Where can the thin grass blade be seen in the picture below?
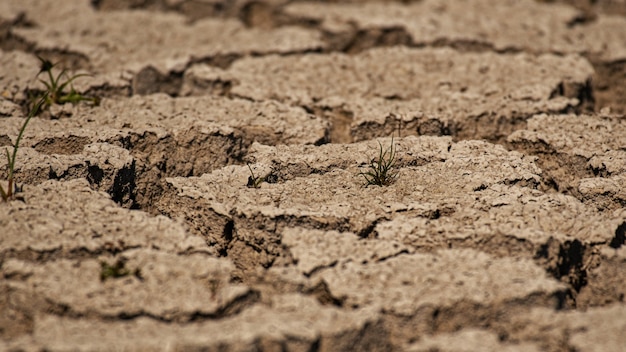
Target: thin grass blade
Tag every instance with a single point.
(16, 146)
(70, 80)
(48, 86)
(4, 195)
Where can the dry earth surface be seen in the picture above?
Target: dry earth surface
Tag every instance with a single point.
(213, 199)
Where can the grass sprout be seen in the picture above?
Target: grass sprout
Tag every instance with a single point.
(382, 170)
(54, 94)
(9, 193)
(117, 270)
(255, 181)
(56, 87)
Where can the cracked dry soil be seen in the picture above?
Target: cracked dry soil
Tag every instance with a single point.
(139, 226)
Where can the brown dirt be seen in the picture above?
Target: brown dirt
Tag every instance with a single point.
(214, 199)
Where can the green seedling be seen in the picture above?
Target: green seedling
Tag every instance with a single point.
(381, 171)
(255, 181)
(116, 270)
(9, 193)
(56, 88)
(54, 94)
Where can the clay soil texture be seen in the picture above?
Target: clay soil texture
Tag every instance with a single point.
(215, 197)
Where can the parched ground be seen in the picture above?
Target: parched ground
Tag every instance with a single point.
(213, 200)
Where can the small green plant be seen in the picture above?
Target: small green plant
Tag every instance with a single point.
(255, 181)
(117, 270)
(381, 171)
(9, 193)
(54, 94)
(55, 88)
